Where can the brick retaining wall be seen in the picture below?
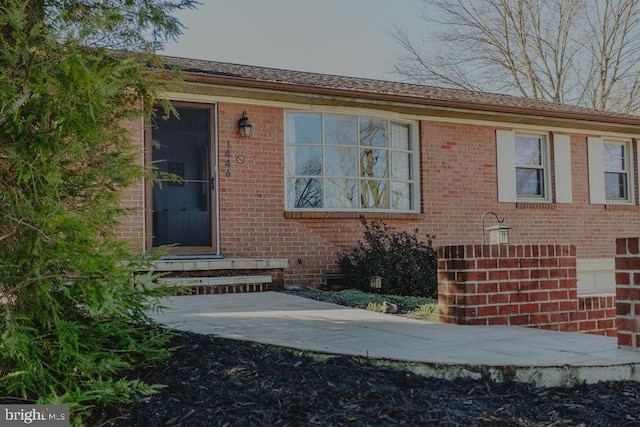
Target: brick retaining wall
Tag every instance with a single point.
(523, 285)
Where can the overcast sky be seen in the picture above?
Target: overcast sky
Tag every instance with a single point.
(343, 37)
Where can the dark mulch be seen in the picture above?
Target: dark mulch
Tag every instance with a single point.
(219, 382)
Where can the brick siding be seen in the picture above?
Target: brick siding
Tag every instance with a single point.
(253, 222)
(132, 224)
(458, 181)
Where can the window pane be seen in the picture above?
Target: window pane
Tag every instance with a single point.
(304, 129)
(305, 193)
(615, 185)
(401, 196)
(528, 151)
(304, 160)
(400, 165)
(373, 132)
(336, 161)
(341, 161)
(614, 157)
(340, 130)
(399, 136)
(375, 194)
(530, 182)
(373, 163)
(342, 193)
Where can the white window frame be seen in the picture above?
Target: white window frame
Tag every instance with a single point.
(506, 165)
(543, 166)
(414, 167)
(625, 172)
(597, 171)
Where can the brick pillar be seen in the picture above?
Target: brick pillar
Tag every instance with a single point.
(524, 285)
(628, 292)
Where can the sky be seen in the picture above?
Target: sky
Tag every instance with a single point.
(341, 37)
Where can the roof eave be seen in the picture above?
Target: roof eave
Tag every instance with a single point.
(616, 121)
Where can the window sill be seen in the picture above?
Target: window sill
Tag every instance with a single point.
(591, 293)
(536, 205)
(621, 207)
(351, 215)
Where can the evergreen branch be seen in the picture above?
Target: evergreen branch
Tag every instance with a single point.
(16, 105)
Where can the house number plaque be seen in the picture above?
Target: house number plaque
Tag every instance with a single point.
(227, 160)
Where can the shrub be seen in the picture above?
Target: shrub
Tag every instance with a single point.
(408, 265)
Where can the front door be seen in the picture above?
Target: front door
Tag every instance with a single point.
(183, 199)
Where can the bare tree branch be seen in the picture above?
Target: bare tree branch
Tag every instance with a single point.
(6, 236)
(584, 52)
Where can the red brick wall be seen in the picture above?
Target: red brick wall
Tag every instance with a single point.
(458, 182)
(132, 224)
(523, 285)
(252, 202)
(596, 314)
(628, 292)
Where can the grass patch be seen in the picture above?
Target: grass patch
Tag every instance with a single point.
(415, 307)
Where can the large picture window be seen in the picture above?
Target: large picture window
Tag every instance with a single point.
(349, 162)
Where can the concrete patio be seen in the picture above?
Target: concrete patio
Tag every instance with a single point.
(441, 350)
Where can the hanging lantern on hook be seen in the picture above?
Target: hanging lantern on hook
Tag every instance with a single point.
(244, 125)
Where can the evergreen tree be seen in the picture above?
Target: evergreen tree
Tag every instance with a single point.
(72, 311)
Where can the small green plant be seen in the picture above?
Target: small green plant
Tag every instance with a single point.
(428, 312)
(408, 265)
(374, 306)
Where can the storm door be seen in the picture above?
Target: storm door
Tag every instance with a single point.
(183, 199)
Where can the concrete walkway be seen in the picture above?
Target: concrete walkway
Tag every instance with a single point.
(502, 353)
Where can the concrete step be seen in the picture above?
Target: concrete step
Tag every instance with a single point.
(220, 285)
(197, 264)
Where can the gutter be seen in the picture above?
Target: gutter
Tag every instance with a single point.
(240, 82)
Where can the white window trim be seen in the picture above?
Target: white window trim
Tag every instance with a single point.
(414, 141)
(562, 168)
(597, 191)
(506, 166)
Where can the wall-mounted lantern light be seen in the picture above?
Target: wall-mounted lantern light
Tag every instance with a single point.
(498, 233)
(244, 125)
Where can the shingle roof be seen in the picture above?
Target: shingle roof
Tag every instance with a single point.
(381, 87)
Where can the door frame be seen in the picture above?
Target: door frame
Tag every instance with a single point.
(208, 251)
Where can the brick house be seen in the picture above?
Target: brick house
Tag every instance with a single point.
(326, 149)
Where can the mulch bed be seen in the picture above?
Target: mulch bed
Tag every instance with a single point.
(219, 382)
